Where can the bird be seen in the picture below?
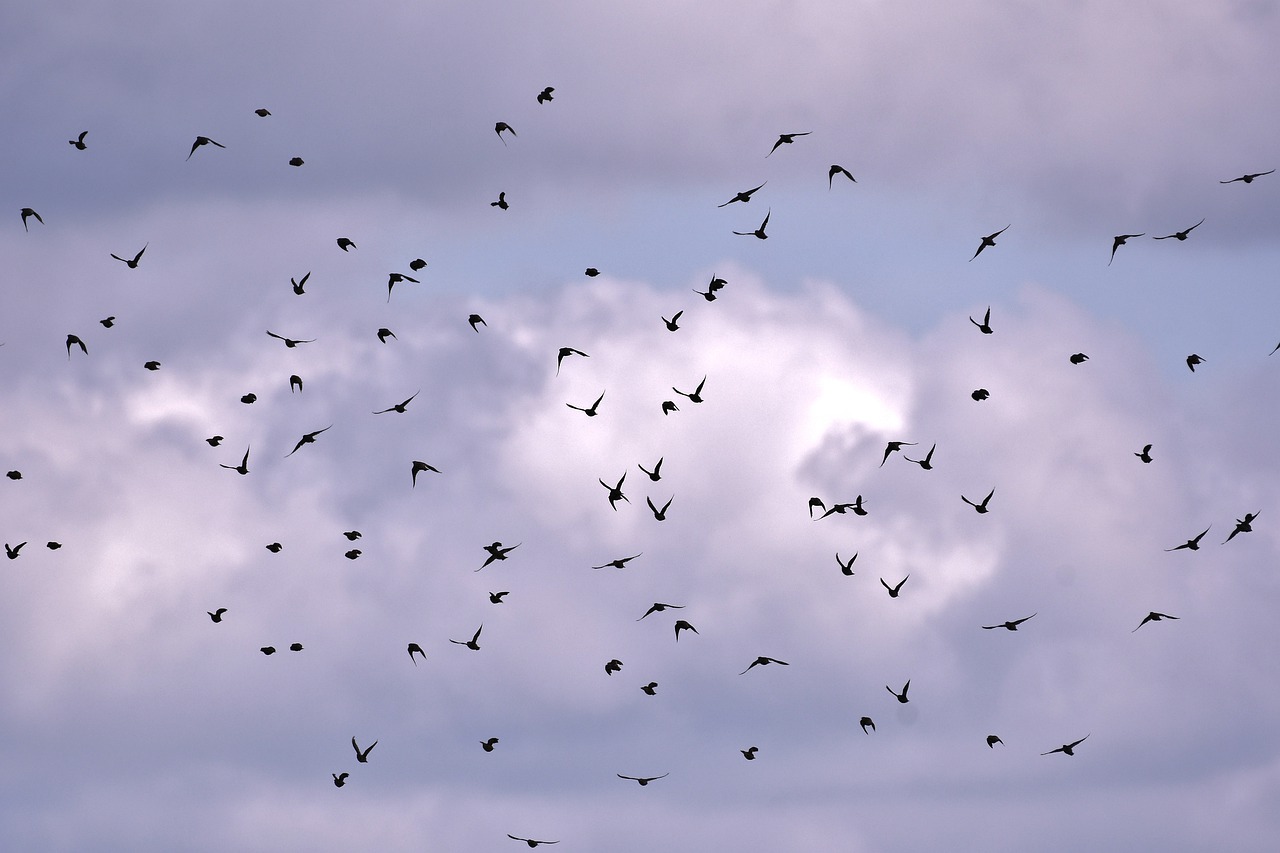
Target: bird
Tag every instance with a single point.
(216, 615)
(339, 779)
(476, 320)
(500, 127)
(1078, 358)
(299, 284)
(496, 597)
(1067, 748)
(346, 243)
(841, 509)
(816, 503)
(243, 467)
(131, 263)
(759, 232)
(418, 468)
(651, 688)
(865, 722)
(417, 264)
(309, 438)
(1145, 455)
(786, 139)
(985, 325)
(1243, 525)
(275, 547)
(26, 213)
(750, 753)
(1120, 240)
(682, 625)
(763, 661)
(78, 142)
(989, 240)
(297, 647)
(362, 757)
(108, 322)
(672, 323)
(980, 394)
(1012, 626)
(659, 514)
(249, 399)
(497, 552)
(619, 563)
(353, 554)
(1192, 544)
(658, 607)
(839, 170)
(715, 285)
(487, 745)
(564, 353)
(894, 446)
(992, 740)
(591, 272)
(1181, 235)
(545, 95)
(14, 475)
(295, 383)
(501, 203)
(590, 411)
(268, 650)
(894, 590)
(613, 666)
(395, 278)
(214, 440)
(644, 780)
(615, 492)
(414, 648)
(473, 643)
(152, 365)
(696, 396)
(1153, 616)
(53, 546)
(846, 568)
(352, 535)
(296, 161)
(669, 406)
(74, 340)
(980, 507)
(262, 112)
(289, 342)
(203, 140)
(1248, 179)
(531, 842)
(399, 407)
(1193, 360)
(743, 196)
(656, 474)
(927, 462)
(11, 551)
(901, 697)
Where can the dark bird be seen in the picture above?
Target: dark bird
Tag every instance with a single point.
(745, 195)
(268, 650)
(395, 278)
(927, 462)
(1243, 525)
(275, 547)
(893, 447)
(1012, 626)
(669, 406)
(214, 440)
(497, 552)
(297, 647)
(545, 95)
(620, 563)
(1154, 617)
(11, 551)
(362, 757)
(353, 554)
(263, 112)
(615, 492)
(841, 509)
(309, 438)
(786, 139)
(750, 753)
(591, 411)
(1181, 235)
(1192, 544)
(715, 285)
(992, 740)
(682, 625)
(846, 569)
(417, 264)
(14, 475)
(339, 779)
(487, 745)
(1120, 240)
(1067, 748)
(865, 722)
(659, 514)
(73, 340)
(28, 212)
(53, 546)
(901, 697)
(399, 407)
(131, 263)
(1193, 360)
(414, 648)
(643, 780)
(980, 507)
(1248, 179)
(759, 232)
(296, 161)
(980, 394)
(651, 688)
(418, 468)
(500, 127)
(203, 140)
(894, 590)
(656, 473)
(152, 365)
(295, 383)
(658, 607)
(78, 142)
(989, 240)
(839, 170)
(564, 353)
(613, 666)
(501, 203)
(591, 272)
(496, 597)
(352, 535)
(108, 322)
(763, 661)
(249, 399)
(529, 841)
(985, 325)
(346, 243)
(696, 396)
(816, 503)
(243, 467)
(1078, 358)
(289, 342)
(476, 320)
(1145, 455)
(299, 284)
(672, 324)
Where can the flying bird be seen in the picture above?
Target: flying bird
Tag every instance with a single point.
(496, 597)
(346, 243)
(545, 95)
(476, 320)
(473, 643)
(352, 535)
(531, 842)
(362, 756)
(893, 447)
(1192, 544)
(78, 142)
(894, 590)
(295, 383)
(866, 722)
(487, 745)
(901, 697)
(763, 661)
(715, 285)
(682, 625)
(26, 213)
(1067, 748)
(927, 462)
(131, 263)
(275, 547)
(353, 554)
(659, 514)
(839, 170)
(216, 615)
(673, 327)
(263, 112)
(846, 568)
(1120, 240)
(658, 607)
(299, 284)
(289, 342)
(564, 353)
(418, 468)
(414, 648)
(74, 340)
(656, 473)
(400, 407)
(297, 647)
(1011, 626)
(108, 322)
(501, 203)
(214, 441)
(395, 278)
(296, 161)
(759, 232)
(989, 240)
(1243, 525)
(1154, 617)
(1248, 179)
(1193, 360)
(152, 365)
(619, 563)
(786, 139)
(750, 753)
(497, 552)
(203, 140)
(1181, 235)
(268, 650)
(669, 406)
(980, 507)
(696, 396)
(500, 127)
(651, 688)
(1145, 455)
(644, 780)
(992, 740)
(591, 411)
(1078, 358)
(980, 394)
(249, 399)
(384, 333)
(743, 196)
(615, 492)
(985, 325)
(339, 779)
(243, 467)
(11, 551)
(613, 666)
(309, 438)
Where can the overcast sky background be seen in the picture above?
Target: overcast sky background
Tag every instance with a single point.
(129, 721)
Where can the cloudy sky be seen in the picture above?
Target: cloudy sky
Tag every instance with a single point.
(131, 721)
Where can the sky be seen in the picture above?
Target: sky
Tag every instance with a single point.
(131, 721)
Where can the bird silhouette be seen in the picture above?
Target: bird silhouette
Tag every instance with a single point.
(417, 264)
(531, 842)
(763, 661)
(346, 244)
(893, 447)
(613, 666)
(243, 467)
(74, 340)
(414, 648)
(14, 475)
(989, 240)
(816, 503)
(353, 554)
(743, 196)
(497, 552)
(501, 203)
(682, 625)
(289, 342)
(400, 407)
(985, 325)
(300, 283)
(296, 161)
(619, 563)
(894, 590)
(786, 139)
(672, 324)
(846, 569)
(268, 650)
(1145, 455)
(496, 597)
(152, 365)
(901, 697)
(275, 547)
(395, 278)
(750, 753)
(201, 141)
(309, 438)
(715, 285)
(696, 395)
(362, 756)
(615, 492)
(473, 643)
(591, 272)
(297, 647)
(500, 127)
(214, 441)
(1011, 626)
(1248, 179)
(866, 722)
(1120, 240)
(1243, 525)
(26, 213)
(992, 740)
(1181, 235)
(476, 320)
(545, 95)
(108, 322)
(339, 779)
(841, 509)
(1192, 544)
(980, 507)
(1078, 358)
(131, 263)
(590, 411)
(656, 474)
(384, 333)
(1153, 616)
(295, 383)
(927, 462)
(487, 745)
(1067, 748)
(352, 535)
(262, 112)
(418, 468)
(839, 170)
(658, 607)
(759, 232)
(1193, 360)
(659, 514)
(644, 780)
(11, 551)
(564, 353)
(78, 142)
(980, 394)
(669, 406)
(651, 688)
